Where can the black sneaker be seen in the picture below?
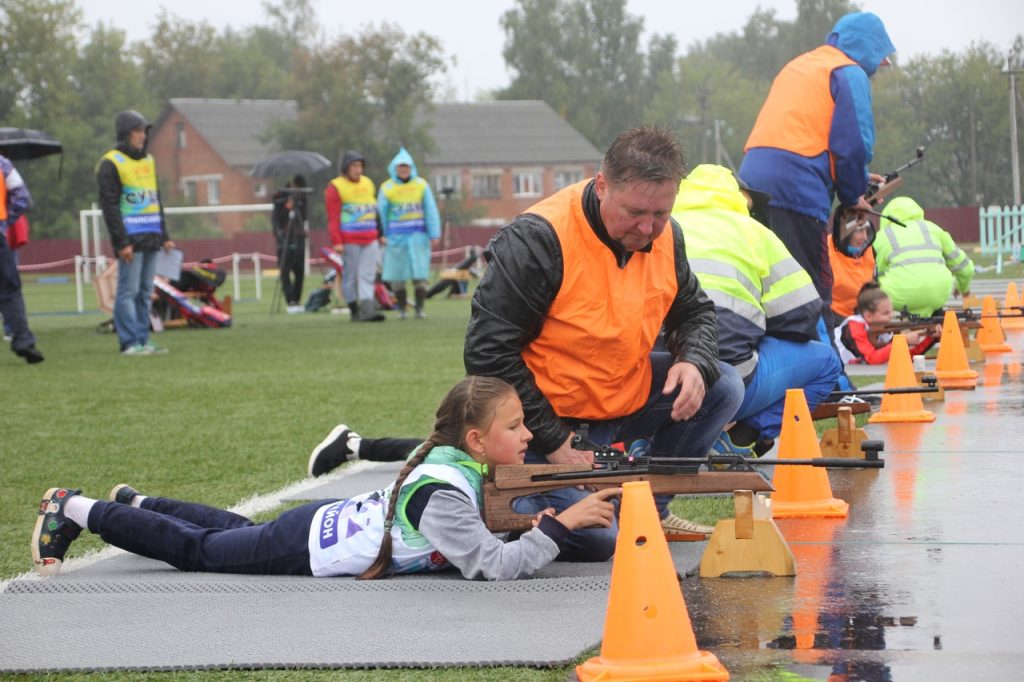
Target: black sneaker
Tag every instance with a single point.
(332, 452)
(30, 354)
(123, 493)
(54, 533)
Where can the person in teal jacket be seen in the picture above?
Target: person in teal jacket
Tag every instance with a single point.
(766, 304)
(918, 264)
(411, 226)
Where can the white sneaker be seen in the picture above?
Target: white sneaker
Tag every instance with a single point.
(341, 445)
(295, 309)
(8, 339)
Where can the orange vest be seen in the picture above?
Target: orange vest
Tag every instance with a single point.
(797, 116)
(849, 275)
(591, 358)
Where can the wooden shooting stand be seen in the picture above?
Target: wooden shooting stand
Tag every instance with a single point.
(508, 482)
(844, 440)
(831, 410)
(748, 543)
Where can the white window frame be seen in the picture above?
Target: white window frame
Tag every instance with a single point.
(260, 189)
(451, 179)
(213, 191)
(560, 173)
(527, 182)
(490, 177)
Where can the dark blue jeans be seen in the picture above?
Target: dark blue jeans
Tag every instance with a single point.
(669, 438)
(12, 305)
(195, 537)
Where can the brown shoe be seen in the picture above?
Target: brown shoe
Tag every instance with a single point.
(676, 526)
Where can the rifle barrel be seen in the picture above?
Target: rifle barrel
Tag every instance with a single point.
(884, 391)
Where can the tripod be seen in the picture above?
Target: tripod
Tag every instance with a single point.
(288, 253)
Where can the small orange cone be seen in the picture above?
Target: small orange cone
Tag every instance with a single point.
(990, 336)
(647, 630)
(901, 407)
(1011, 307)
(951, 366)
(801, 490)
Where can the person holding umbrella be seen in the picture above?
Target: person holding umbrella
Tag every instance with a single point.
(289, 224)
(14, 201)
(130, 201)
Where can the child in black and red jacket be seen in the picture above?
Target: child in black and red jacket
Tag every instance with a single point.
(874, 309)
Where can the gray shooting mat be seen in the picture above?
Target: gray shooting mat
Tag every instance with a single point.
(125, 612)
(343, 484)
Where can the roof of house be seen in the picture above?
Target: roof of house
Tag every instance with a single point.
(235, 128)
(505, 132)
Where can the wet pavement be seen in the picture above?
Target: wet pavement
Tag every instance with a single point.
(923, 580)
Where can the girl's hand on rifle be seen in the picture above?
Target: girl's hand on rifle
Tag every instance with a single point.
(593, 510)
(913, 337)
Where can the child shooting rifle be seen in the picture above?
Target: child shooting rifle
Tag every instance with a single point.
(432, 522)
(855, 338)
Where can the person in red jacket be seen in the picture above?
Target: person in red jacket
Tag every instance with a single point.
(874, 309)
(354, 228)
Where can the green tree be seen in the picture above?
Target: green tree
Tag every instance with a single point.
(583, 58)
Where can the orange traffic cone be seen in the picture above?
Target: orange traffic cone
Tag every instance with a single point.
(951, 366)
(801, 490)
(991, 337)
(647, 630)
(901, 407)
(1011, 306)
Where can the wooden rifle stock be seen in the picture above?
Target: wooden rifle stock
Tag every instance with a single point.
(512, 481)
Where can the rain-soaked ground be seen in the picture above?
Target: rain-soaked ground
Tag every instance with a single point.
(925, 578)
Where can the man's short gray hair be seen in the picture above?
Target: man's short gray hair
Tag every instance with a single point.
(644, 155)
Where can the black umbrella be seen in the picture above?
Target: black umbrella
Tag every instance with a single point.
(20, 144)
(290, 163)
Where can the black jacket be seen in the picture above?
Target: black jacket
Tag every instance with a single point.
(110, 204)
(524, 276)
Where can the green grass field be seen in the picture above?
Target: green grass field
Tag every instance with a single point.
(225, 415)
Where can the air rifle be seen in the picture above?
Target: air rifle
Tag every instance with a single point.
(846, 221)
(613, 467)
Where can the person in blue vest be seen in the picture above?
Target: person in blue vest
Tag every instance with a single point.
(411, 225)
(14, 201)
(130, 200)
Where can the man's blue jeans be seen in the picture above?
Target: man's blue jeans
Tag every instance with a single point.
(782, 365)
(669, 438)
(131, 304)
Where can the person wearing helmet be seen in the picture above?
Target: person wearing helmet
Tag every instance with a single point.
(130, 200)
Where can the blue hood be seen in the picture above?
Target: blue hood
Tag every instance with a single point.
(401, 157)
(861, 36)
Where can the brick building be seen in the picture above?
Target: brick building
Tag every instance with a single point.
(502, 156)
(505, 155)
(204, 149)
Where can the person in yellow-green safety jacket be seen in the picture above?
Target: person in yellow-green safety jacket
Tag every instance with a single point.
(918, 264)
(412, 226)
(766, 304)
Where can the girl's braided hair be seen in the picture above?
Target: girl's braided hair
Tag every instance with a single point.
(469, 404)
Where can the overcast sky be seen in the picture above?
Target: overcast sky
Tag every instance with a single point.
(470, 31)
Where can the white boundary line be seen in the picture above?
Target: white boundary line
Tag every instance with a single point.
(247, 507)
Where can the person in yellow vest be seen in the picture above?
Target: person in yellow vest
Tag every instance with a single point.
(918, 264)
(352, 224)
(130, 200)
(412, 226)
(814, 138)
(576, 295)
(766, 305)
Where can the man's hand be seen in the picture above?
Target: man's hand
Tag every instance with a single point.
(566, 455)
(126, 254)
(434, 243)
(339, 248)
(686, 377)
(861, 205)
(168, 246)
(592, 511)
